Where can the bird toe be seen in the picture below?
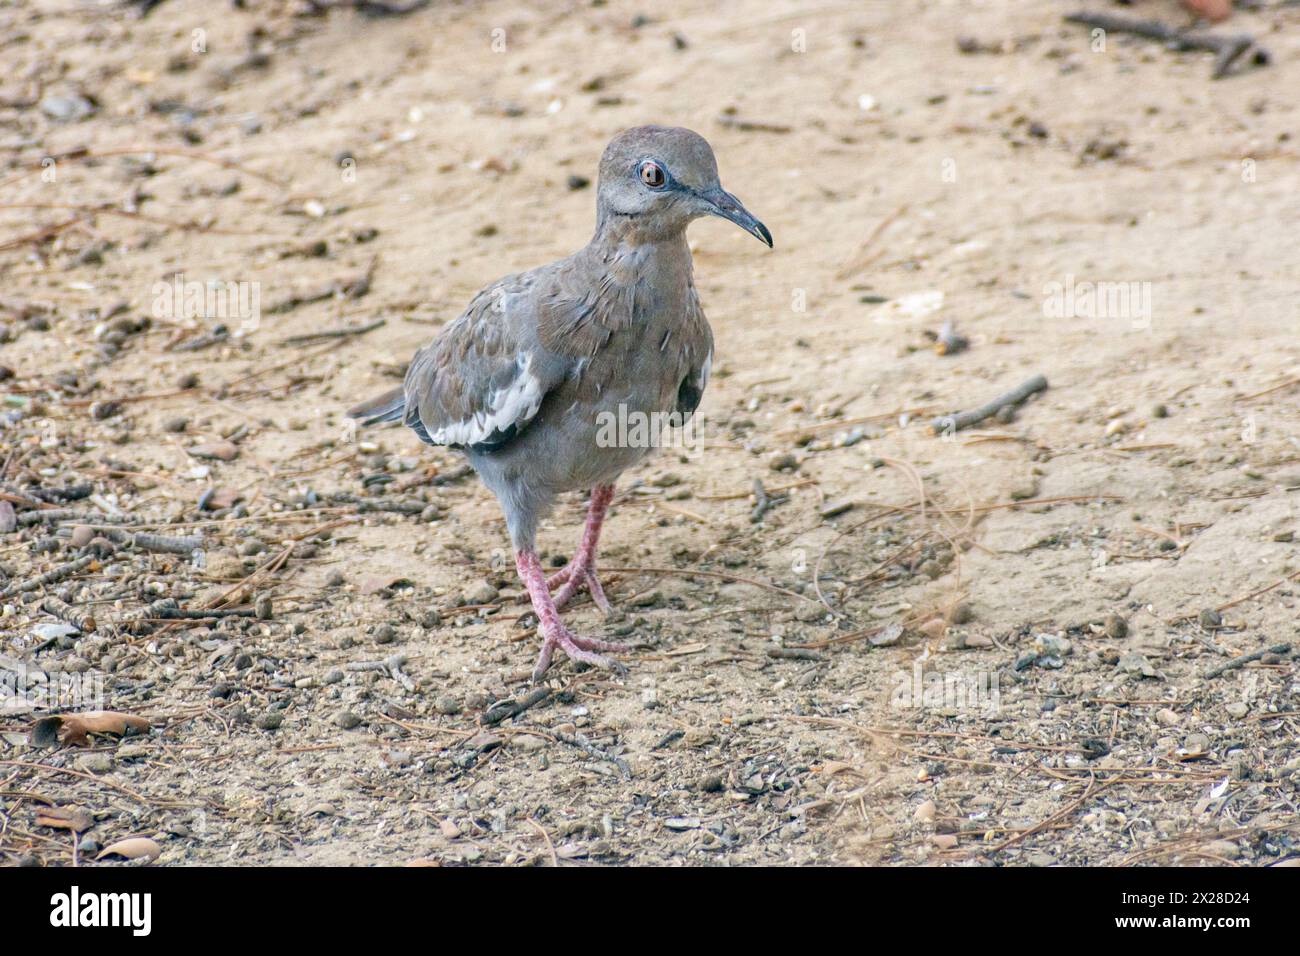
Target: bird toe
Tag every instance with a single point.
(587, 650)
(575, 582)
(560, 577)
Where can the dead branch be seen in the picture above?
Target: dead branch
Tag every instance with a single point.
(49, 577)
(1245, 659)
(1229, 49)
(947, 424)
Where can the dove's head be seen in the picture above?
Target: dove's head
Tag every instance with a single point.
(655, 179)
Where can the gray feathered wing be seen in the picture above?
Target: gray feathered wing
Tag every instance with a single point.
(691, 390)
(485, 376)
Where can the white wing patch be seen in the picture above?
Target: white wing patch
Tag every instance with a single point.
(515, 404)
(705, 369)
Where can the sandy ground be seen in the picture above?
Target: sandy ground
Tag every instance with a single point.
(986, 647)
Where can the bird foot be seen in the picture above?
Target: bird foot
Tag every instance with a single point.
(570, 579)
(554, 633)
(578, 649)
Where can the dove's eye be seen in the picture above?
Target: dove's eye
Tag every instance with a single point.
(652, 174)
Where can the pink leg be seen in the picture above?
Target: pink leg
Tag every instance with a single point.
(554, 633)
(582, 569)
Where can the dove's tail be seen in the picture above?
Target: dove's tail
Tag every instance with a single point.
(389, 407)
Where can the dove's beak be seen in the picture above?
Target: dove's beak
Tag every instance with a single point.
(722, 203)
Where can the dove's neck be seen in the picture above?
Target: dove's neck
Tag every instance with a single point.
(640, 247)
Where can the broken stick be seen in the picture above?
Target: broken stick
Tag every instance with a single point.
(948, 424)
(52, 576)
(1229, 49)
(513, 708)
(1245, 659)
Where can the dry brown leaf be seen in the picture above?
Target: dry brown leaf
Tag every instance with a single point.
(133, 848)
(75, 728)
(65, 818)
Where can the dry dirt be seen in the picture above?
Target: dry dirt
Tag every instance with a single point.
(1042, 576)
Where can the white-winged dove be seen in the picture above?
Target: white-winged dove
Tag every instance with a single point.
(523, 379)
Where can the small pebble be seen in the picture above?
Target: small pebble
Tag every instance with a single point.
(101, 547)
(711, 783)
(1223, 848)
(1167, 718)
(808, 611)
(346, 720)
(482, 593)
(834, 508)
(1025, 491)
(68, 109)
(783, 461)
(647, 599)
(96, 763)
